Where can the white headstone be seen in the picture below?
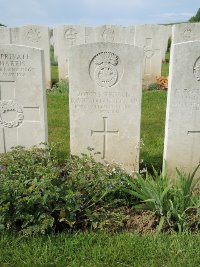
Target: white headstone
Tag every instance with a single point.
(105, 82)
(182, 132)
(35, 36)
(130, 35)
(167, 34)
(107, 34)
(55, 44)
(23, 119)
(67, 36)
(151, 37)
(5, 37)
(186, 32)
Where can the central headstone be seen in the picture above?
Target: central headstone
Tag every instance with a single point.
(105, 82)
(22, 97)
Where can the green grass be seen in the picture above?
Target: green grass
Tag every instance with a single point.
(152, 128)
(58, 120)
(54, 67)
(54, 74)
(165, 66)
(104, 249)
(100, 249)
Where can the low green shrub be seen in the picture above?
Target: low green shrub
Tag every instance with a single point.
(177, 205)
(41, 194)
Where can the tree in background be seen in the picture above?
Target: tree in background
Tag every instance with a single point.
(196, 18)
(2, 25)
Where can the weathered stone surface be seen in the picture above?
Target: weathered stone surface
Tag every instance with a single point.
(105, 102)
(186, 32)
(182, 132)
(55, 44)
(23, 119)
(35, 36)
(67, 36)
(153, 39)
(5, 37)
(107, 34)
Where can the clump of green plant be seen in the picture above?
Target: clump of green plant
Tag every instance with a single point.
(169, 43)
(41, 194)
(61, 86)
(177, 205)
(153, 86)
(53, 62)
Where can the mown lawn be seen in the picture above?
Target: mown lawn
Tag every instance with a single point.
(100, 250)
(104, 249)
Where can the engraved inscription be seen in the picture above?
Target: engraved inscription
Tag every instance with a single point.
(108, 35)
(71, 35)
(7, 107)
(34, 35)
(104, 69)
(187, 99)
(104, 133)
(196, 69)
(187, 34)
(103, 102)
(16, 65)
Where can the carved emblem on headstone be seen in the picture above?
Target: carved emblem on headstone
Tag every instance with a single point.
(71, 35)
(7, 106)
(187, 34)
(34, 35)
(196, 69)
(104, 68)
(108, 35)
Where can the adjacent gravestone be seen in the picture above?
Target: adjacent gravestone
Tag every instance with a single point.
(22, 97)
(167, 34)
(186, 32)
(67, 36)
(5, 37)
(182, 132)
(130, 35)
(55, 44)
(105, 82)
(106, 33)
(110, 34)
(153, 39)
(35, 36)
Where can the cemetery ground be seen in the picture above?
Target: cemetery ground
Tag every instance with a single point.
(138, 243)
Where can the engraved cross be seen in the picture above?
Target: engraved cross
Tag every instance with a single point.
(149, 53)
(105, 132)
